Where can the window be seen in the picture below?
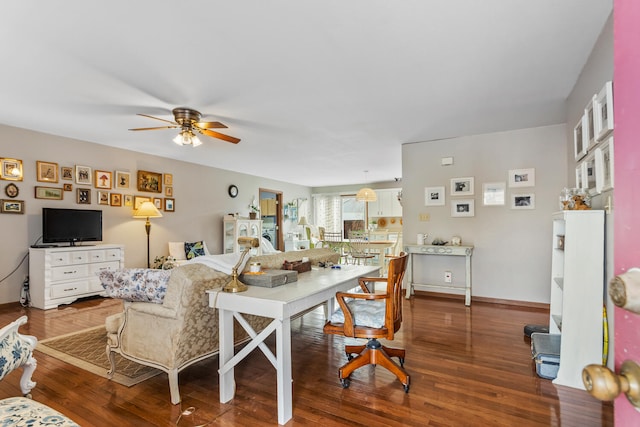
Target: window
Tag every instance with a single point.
(337, 212)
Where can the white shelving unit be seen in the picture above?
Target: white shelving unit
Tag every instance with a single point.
(62, 275)
(577, 287)
(234, 228)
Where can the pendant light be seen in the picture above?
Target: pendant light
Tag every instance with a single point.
(366, 194)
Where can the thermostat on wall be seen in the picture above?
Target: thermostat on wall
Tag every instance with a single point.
(446, 161)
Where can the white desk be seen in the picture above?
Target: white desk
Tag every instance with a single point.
(281, 304)
(465, 251)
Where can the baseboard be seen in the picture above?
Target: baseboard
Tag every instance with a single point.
(528, 304)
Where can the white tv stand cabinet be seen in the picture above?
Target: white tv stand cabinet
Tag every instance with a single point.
(61, 275)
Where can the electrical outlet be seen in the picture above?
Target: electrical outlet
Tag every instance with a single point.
(447, 277)
(425, 217)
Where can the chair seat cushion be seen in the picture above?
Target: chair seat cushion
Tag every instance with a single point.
(365, 313)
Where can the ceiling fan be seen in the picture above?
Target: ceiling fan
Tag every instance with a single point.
(188, 120)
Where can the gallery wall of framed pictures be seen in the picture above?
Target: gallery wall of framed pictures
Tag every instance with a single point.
(593, 143)
(111, 188)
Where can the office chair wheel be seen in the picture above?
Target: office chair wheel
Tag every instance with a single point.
(345, 382)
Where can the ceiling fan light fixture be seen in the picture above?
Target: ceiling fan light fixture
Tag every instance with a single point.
(187, 137)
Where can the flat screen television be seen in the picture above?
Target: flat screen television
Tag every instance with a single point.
(71, 225)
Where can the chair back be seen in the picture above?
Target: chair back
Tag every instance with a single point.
(395, 277)
(332, 236)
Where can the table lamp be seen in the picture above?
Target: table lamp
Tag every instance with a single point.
(235, 285)
(147, 210)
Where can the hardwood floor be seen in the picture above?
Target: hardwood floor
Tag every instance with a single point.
(468, 367)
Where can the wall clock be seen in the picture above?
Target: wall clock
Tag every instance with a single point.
(233, 191)
(11, 190)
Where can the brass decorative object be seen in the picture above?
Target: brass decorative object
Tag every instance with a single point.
(235, 285)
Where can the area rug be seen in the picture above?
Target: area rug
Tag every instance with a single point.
(86, 349)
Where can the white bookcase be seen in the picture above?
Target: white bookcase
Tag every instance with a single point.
(234, 228)
(577, 291)
(62, 275)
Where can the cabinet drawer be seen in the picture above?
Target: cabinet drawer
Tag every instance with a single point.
(94, 285)
(98, 267)
(69, 289)
(70, 272)
(78, 257)
(60, 258)
(96, 256)
(112, 254)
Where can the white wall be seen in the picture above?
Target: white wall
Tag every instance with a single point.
(512, 256)
(200, 194)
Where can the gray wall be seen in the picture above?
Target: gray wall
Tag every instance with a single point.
(512, 258)
(200, 193)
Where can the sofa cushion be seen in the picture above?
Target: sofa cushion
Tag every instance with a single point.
(194, 249)
(136, 284)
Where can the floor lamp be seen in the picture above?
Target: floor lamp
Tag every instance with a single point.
(147, 210)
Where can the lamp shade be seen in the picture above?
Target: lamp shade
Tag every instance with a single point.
(303, 221)
(147, 210)
(366, 195)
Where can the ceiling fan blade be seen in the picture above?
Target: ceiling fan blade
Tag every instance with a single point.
(157, 118)
(157, 128)
(210, 125)
(219, 135)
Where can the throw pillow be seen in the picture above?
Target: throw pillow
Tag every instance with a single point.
(176, 250)
(194, 249)
(136, 284)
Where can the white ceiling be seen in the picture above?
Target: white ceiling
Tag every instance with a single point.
(318, 91)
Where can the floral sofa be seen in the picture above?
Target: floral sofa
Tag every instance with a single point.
(167, 322)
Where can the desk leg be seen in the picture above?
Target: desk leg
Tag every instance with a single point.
(409, 277)
(227, 379)
(285, 386)
(467, 291)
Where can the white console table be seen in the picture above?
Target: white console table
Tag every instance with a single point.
(465, 251)
(61, 275)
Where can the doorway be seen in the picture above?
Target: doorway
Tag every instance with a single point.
(271, 215)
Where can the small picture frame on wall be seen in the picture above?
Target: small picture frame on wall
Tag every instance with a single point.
(168, 191)
(123, 179)
(523, 201)
(462, 186)
(12, 206)
(157, 201)
(67, 187)
(66, 173)
(579, 146)
(103, 197)
(169, 205)
(589, 173)
(138, 200)
(149, 181)
(50, 193)
(168, 179)
(603, 110)
(115, 199)
(83, 196)
(522, 178)
(604, 166)
(434, 196)
(10, 169)
(103, 179)
(493, 193)
(46, 171)
(462, 208)
(589, 130)
(128, 200)
(83, 175)
(579, 180)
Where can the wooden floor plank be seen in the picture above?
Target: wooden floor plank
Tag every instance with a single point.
(469, 366)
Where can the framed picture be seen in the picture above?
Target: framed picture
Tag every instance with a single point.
(579, 146)
(128, 200)
(589, 173)
(123, 179)
(434, 196)
(157, 201)
(589, 129)
(169, 205)
(103, 197)
(12, 206)
(103, 179)
(604, 166)
(168, 191)
(150, 181)
(523, 201)
(46, 171)
(83, 175)
(603, 110)
(66, 173)
(51, 193)
(579, 180)
(10, 169)
(462, 186)
(493, 193)
(11, 190)
(67, 187)
(115, 199)
(138, 200)
(168, 179)
(462, 208)
(522, 177)
(83, 196)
